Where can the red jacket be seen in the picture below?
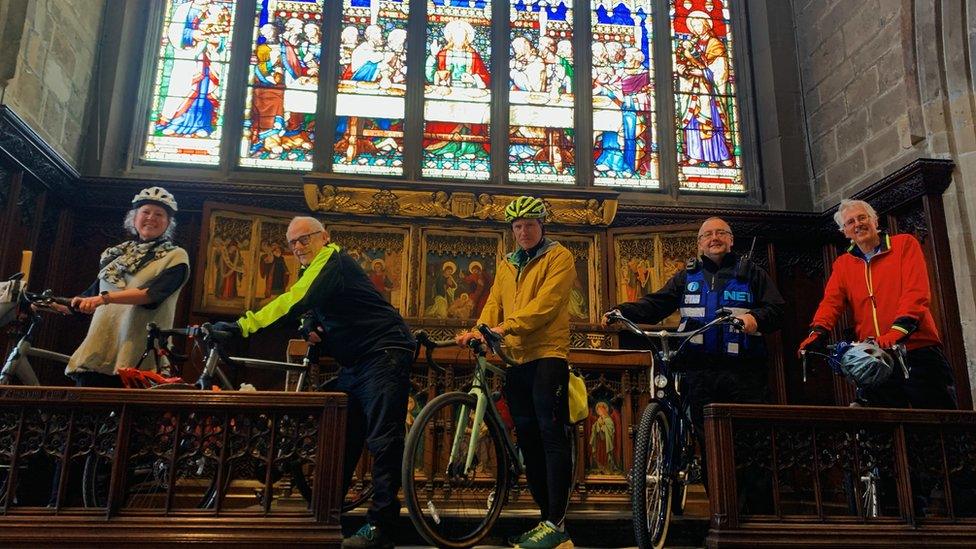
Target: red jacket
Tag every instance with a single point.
(900, 284)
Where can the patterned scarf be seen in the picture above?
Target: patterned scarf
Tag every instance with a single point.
(129, 257)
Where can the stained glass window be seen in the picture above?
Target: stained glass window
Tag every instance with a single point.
(372, 86)
(457, 96)
(283, 83)
(187, 108)
(706, 115)
(541, 136)
(624, 133)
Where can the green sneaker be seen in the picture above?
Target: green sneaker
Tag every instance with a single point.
(544, 536)
(368, 537)
(513, 541)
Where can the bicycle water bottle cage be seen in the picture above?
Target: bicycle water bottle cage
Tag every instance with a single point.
(865, 364)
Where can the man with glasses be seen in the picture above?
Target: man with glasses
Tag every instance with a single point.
(351, 321)
(722, 364)
(884, 280)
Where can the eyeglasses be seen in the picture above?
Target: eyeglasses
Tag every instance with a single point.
(859, 219)
(303, 240)
(717, 232)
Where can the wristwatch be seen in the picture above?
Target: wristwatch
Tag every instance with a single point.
(104, 295)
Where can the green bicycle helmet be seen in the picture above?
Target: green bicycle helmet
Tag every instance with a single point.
(526, 207)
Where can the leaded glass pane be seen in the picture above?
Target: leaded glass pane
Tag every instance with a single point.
(707, 121)
(370, 102)
(283, 82)
(625, 148)
(457, 95)
(541, 135)
(187, 108)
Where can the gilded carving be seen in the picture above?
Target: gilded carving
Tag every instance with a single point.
(442, 204)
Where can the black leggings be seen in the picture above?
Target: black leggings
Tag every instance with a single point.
(537, 395)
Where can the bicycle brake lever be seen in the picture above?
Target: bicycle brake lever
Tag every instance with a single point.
(803, 363)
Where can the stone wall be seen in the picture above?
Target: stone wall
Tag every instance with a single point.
(885, 82)
(50, 88)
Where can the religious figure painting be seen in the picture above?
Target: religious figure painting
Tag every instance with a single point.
(457, 90)
(458, 269)
(585, 302)
(383, 253)
(370, 103)
(541, 72)
(625, 149)
(246, 259)
(604, 438)
(643, 262)
(708, 134)
(277, 266)
(279, 116)
(188, 104)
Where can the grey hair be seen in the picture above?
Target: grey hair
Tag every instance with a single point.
(315, 223)
(847, 204)
(130, 224)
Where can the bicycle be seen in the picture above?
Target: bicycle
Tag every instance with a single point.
(664, 462)
(148, 475)
(870, 500)
(17, 366)
(458, 505)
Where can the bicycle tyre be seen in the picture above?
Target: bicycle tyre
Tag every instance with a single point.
(466, 508)
(650, 495)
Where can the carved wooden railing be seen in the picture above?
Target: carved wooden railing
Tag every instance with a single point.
(835, 476)
(102, 466)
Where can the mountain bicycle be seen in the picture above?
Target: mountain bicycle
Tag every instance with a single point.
(459, 503)
(664, 450)
(17, 367)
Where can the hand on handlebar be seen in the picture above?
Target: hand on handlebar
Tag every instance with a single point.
(87, 305)
(463, 339)
(609, 317)
(233, 329)
(747, 323)
(816, 342)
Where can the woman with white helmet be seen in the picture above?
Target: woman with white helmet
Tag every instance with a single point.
(138, 283)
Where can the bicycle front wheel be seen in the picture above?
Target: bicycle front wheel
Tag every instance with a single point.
(449, 506)
(650, 495)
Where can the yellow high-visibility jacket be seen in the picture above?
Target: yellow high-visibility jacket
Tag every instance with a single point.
(532, 306)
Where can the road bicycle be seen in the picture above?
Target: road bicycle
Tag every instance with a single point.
(664, 450)
(17, 367)
(459, 502)
(148, 475)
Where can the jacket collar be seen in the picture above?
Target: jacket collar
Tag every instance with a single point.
(885, 245)
(520, 258)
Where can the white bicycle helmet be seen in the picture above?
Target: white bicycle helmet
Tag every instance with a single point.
(158, 196)
(866, 365)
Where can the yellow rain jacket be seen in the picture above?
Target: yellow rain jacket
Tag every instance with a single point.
(532, 306)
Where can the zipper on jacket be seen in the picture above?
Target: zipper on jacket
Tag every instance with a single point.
(874, 303)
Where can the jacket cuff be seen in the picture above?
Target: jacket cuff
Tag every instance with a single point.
(905, 324)
(819, 330)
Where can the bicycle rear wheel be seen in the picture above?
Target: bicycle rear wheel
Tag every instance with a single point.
(650, 480)
(449, 507)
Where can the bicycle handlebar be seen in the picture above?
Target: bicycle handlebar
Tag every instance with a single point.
(47, 298)
(490, 341)
(722, 316)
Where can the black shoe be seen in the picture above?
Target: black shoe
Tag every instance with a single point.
(368, 537)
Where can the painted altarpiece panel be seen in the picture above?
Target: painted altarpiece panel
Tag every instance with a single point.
(585, 298)
(457, 271)
(246, 257)
(641, 262)
(384, 254)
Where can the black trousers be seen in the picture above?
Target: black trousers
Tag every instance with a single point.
(537, 393)
(739, 384)
(929, 384)
(377, 389)
(95, 379)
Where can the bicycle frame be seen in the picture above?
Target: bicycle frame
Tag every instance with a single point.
(17, 365)
(479, 391)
